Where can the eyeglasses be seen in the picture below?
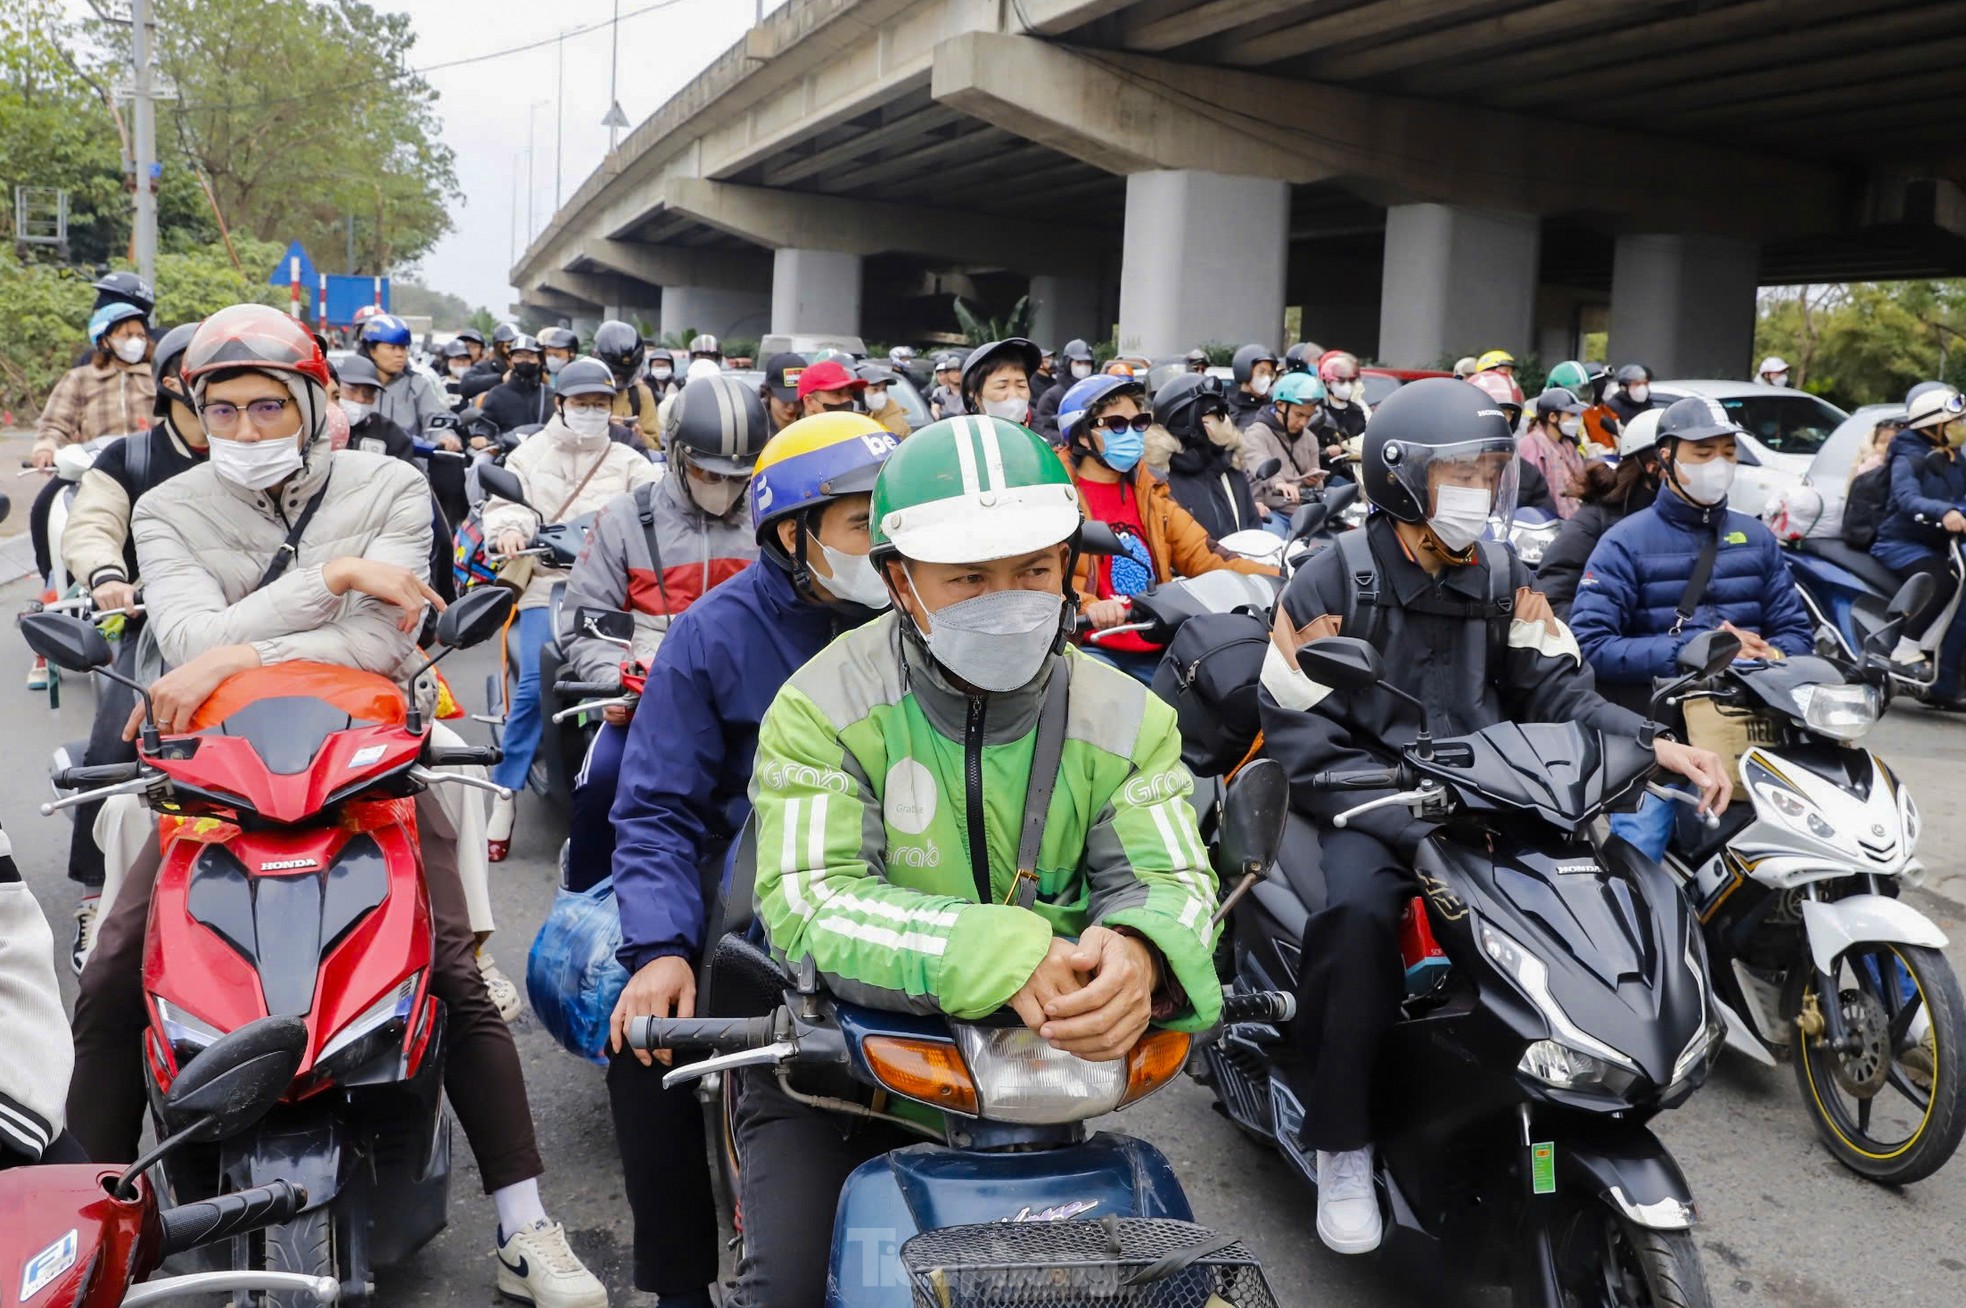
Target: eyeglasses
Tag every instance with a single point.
(1116, 424)
(220, 416)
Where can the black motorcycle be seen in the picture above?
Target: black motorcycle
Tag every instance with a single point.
(1557, 998)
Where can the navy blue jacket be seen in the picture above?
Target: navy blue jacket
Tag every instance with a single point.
(686, 769)
(1628, 598)
(1917, 490)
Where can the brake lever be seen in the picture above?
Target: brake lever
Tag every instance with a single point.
(134, 786)
(430, 778)
(763, 1055)
(1709, 820)
(1403, 797)
(594, 705)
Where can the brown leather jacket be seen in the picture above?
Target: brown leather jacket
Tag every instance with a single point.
(1181, 548)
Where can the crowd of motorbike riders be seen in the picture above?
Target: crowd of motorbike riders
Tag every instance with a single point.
(811, 586)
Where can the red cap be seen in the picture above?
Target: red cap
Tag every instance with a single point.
(828, 375)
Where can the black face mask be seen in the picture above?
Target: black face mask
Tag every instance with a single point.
(526, 371)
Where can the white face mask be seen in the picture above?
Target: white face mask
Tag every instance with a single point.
(715, 497)
(874, 399)
(997, 641)
(459, 369)
(1460, 516)
(553, 365)
(1706, 484)
(1259, 386)
(1081, 370)
(355, 411)
(589, 426)
(1638, 392)
(1340, 391)
(256, 465)
(854, 579)
(1016, 409)
(1570, 427)
(1778, 379)
(130, 348)
(662, 372)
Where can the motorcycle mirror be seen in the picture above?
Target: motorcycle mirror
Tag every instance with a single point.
(476, 618)
(1342, 662)
(1709, 653)
(503, 483)
(1267, 469)
(66, 641)
(1308, 518)
(233, 1081)
(1913, 596)
(1098, 538)
(1253, 816)
(608, 624)
(1339, 498)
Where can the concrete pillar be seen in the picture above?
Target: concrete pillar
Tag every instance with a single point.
(1204, 261)
(815, 291)
(1456, 281)
(721, 313)
(1063, 309)
(1684, 305)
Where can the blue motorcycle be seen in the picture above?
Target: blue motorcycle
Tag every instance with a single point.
(1848, 594)
(1007, 1199)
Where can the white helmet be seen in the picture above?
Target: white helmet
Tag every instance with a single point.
(1934, 406)
(1640, 434)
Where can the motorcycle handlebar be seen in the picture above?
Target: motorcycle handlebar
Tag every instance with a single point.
(587, 689)
(1372, 779)
(99, 774)
(1273, 1006)
(189, 1225)
(465, 756)
(724, 1034)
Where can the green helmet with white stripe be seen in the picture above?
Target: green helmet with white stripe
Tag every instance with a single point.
(972, 489)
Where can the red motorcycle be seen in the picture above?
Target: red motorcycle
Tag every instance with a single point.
(83, 1236)
(292, 886)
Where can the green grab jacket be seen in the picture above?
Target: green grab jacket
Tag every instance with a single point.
(873, 775)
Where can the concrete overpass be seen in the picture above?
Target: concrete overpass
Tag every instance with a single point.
(1424, 178)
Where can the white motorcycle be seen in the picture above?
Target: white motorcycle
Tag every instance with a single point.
(1815, 957)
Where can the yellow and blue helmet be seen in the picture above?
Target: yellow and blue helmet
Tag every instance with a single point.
(811, 463)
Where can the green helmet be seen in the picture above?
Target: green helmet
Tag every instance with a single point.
(970, 490)
(1571, 376)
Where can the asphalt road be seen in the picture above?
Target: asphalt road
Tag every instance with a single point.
(1781, 1222)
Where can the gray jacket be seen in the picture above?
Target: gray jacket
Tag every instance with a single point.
(411, 401)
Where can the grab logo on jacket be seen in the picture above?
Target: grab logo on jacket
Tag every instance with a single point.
(908, 799)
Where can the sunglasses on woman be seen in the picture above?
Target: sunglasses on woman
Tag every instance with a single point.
(1116, 423)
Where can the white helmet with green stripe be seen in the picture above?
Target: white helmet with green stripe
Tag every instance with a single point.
(972, 489)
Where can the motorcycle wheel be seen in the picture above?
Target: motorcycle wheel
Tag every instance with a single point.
(1892, 1115)
(1609, 1261)
(305, 1245)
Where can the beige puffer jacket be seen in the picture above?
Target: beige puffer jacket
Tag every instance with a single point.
(203, 543)
(549, 465)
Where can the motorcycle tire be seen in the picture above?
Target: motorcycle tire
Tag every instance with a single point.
(1609, 1261)
(305, 1245)
(1845, 1134)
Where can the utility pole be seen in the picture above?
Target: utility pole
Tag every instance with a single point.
(145, 144)
(614, 119)
(559, 114)
(531, 111)
(514, 258)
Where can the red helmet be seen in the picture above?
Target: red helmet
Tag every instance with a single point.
(1501, 388)
(365, 313)
(254, 336)
(1337, 365)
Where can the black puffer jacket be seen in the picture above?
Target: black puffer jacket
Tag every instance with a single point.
(1208, 484)
(1563, 563)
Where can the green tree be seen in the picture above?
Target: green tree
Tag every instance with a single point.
(1866, 342)
(979, 330)
(441, 307)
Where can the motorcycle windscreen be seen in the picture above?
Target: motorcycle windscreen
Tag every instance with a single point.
(1558, 770)
(284, 925)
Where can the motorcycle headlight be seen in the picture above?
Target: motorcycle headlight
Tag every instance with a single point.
(1698, 1050)
(1009, 1074)
(186, 1033)
(1559, 1065)
(374, 1031)
(1839, 712)
(1795, 811)
(1532, 977)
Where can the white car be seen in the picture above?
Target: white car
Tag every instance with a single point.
(1786, 428)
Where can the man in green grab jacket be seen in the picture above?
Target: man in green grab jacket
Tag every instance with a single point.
(890, 791)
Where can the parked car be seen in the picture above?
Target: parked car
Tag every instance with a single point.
(1829, 477)
(1378, 383)
(1786, 429)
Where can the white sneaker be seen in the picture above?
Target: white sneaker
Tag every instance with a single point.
(1347, 1203)
(537, 1265)
(504, 995)
(87, 913)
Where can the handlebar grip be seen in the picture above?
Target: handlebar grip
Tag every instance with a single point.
(464, 756)
(99, 774)
(189, 1225)
(587, 689)
(1377, 779)
(720, 1033)
(1272, 1006)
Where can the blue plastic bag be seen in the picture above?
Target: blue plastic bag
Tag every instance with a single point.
(572, 976)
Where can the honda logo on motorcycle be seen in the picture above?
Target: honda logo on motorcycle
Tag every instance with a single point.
(289, 864)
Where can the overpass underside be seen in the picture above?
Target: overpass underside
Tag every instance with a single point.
(1421, 178)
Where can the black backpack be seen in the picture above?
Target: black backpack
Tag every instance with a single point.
(1865, 509)
(1210, 674)
(1362, 612)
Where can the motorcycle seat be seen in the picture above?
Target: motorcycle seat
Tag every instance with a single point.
(1874, 574)
(1300, 861)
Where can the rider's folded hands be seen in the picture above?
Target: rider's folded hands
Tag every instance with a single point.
(387, 582)
(665, 987)
(1107, 1017)
(1053, 978)
(177, 695)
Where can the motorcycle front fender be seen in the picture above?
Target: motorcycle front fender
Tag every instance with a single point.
(311, 1154)
(1631, 1171)
(1833, 926)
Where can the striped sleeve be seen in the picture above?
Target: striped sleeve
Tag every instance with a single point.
(823, 894)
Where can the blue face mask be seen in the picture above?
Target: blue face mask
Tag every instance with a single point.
(1123, 450)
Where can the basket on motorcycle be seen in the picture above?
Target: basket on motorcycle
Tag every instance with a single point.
(1132, 1262)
